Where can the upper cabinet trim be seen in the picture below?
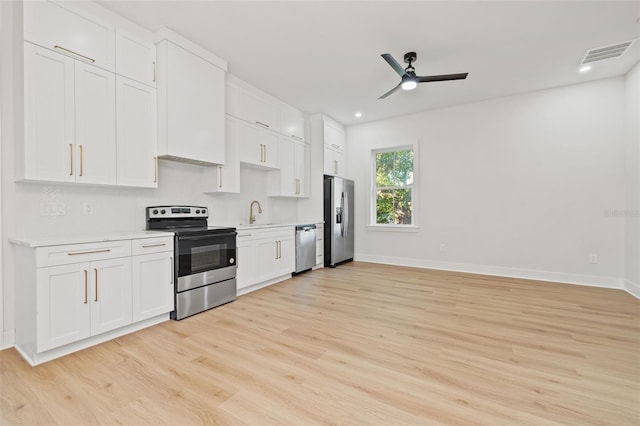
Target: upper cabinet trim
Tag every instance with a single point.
(169, 35)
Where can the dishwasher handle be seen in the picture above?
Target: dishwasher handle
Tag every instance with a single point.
(305, 228)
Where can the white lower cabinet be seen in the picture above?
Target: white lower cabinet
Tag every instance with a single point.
(72, 296)
(152, 285)
(265, 256)
(81, 300)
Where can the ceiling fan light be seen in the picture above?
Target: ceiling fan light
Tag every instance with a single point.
(409, 85)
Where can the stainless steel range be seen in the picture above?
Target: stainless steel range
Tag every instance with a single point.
(205, 258)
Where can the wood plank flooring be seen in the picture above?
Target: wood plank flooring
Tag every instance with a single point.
(362, 344)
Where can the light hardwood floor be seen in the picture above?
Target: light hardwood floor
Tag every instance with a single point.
(361, 344)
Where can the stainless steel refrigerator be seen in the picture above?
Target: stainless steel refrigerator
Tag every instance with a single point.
(338, 220)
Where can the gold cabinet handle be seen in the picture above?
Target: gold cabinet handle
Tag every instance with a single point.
(81, 159)
(74, 53)
(86, 286)
(335, 167)
(220, 175)
(244, 235)
(154, 245)
(96, 299)
(71, 159)
(297, 186)
(262, 124)
(154, 72)
(276, 249)
(155, 169)
(88, 252)
(265, 153)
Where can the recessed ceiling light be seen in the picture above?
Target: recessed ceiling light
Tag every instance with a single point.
(358, 114)
(585, 68)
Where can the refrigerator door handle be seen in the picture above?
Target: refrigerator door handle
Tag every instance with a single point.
(342, 211)
(345, 221)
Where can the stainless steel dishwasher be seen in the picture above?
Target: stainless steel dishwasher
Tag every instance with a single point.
(305, 247)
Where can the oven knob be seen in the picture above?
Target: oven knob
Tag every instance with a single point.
(232, 260)
(204, 211)
(163, 211)
(155, 212)
(197, 211)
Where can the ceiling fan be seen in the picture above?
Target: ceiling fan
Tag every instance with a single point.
(409, 78)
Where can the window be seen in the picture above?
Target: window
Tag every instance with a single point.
(393, 195)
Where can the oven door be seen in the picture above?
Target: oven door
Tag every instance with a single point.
(205, 258)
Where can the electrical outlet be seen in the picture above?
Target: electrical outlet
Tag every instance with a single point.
(53, 209)
(87, 208)
(593, 258)
(443, 248)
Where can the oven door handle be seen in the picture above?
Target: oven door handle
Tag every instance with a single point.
(203, 237)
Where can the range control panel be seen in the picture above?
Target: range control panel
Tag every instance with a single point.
(174, 212)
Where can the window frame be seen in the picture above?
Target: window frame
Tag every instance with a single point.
(415, 189)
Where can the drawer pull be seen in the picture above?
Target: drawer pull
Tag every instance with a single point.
(262, 124)
(74, 53)
(244, 235)
(154, 245)
(88, 252)
(85, 286)
(96, 299)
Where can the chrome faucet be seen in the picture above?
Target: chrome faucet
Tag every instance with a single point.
(252, 218)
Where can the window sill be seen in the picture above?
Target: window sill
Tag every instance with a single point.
(393, 228)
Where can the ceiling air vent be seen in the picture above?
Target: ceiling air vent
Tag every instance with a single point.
(607, 52)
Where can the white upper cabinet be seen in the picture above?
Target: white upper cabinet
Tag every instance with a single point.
(191, 104)
(49, 133)
(69, 120)
(333, 138)
(136, 134)
(252, 105)
(258, 146)
(95, 116)
(59, 27)
(291, 122)
(225, 178)
(291, 180)
(135, 57)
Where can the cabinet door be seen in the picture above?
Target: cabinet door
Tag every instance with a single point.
(95, 110)
(58, 26)
(49, 116)
(136, 134)
(329, 162)
(291, 122)
(246, 260)
(288, 179)
(135, 57)
(338, 160)
(260, 110)
(268, 253)
(226, 177)
(334, 136)
(63, 310)
(286, 262)
(152, 285)
(110, 291)
(258, 146)
(195, 107)
(271, 149)
(302, 167)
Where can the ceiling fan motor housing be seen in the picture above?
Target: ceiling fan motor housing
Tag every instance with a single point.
(410, 57)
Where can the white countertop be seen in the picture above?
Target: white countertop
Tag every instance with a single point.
(80, 239)
(244, 227)
(116, 236)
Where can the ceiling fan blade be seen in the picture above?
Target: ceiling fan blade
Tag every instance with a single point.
(390, 91)
(443, 77)
(394, 64)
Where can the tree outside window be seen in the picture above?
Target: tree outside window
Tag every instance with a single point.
(394, 187)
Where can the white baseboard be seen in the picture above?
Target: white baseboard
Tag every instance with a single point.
(8, 339)
(632, 288)
(501, 271)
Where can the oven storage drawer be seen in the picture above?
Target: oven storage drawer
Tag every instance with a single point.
(202, 298)
(76, 253)
(151, 245)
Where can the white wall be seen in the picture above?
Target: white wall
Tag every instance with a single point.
(515, 186)
(632, 179)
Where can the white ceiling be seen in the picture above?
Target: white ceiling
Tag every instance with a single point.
(324, 56)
